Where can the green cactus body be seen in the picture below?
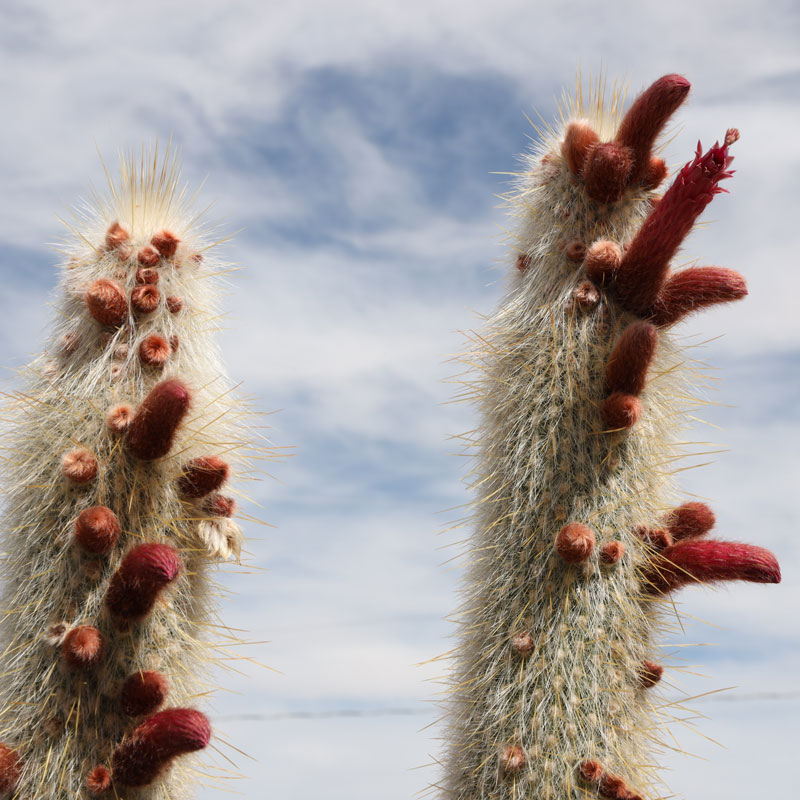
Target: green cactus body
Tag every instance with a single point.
(576, 525)
(128, 411)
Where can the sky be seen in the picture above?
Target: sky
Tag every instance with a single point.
(359, 149)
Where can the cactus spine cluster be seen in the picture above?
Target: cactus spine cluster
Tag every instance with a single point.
(580, 534)
(118, 451)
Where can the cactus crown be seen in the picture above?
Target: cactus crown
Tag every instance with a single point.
(580, 533)
(118, 450)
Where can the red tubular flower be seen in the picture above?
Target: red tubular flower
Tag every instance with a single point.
(627, 368)
(694, 289)
(141, 576)
(638, 280)
(706, 560)
(646, 118)
(152, 746)
(152, 431)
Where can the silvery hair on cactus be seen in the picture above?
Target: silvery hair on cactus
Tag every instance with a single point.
(118, 452)
(580, 533)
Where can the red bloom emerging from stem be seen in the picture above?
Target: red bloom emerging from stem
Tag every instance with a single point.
(644, 266)
(150, 749)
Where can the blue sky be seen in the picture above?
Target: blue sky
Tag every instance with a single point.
(358, 145)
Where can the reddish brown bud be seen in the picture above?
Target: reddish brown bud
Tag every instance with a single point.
(119, 418)
(148, 256)
(154, 350)
(523, 643)
(621, 411)
(606, 171)
(83, 647)
(106, 302)
(143, 693)
(116, 235)
(694, 289)
(97, 529)
(576, 251)
(602, 259)
(220, 506)
(70, 342)
(586, 295)
(166, 243)
(174, 342)
(152, 431)
(650, 674)
(79, 466)
(705, 561)
(590, 770)
(10, 768)
(98, 780)
(141, 576)
(634, 350)
(611, 552)
(655, 174)
(655, 537)
(202, 476)
(578, 140)
(689, 521)
(146, 275)
(174, 304)
(575, 542)
(512, 758)
(152, 746)
(144, 299)
(523, 262)
(613, 787)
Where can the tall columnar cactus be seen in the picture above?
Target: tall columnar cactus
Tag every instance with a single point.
(118, 454)
(580, 535)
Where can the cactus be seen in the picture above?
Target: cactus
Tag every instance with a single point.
(118, 455)
(580, 534)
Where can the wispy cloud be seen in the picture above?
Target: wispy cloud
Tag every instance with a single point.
(355, 143)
